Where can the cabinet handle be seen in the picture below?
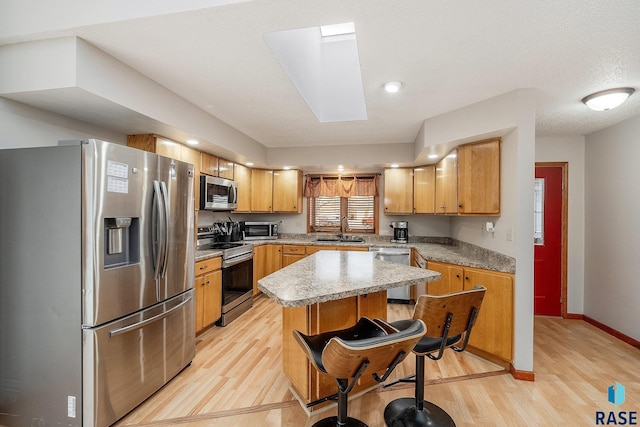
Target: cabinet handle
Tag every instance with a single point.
(466, 277)
(457, 276)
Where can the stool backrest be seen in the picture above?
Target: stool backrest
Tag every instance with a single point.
(434, 310)
(342, 358)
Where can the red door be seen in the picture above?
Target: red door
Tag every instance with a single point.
(548, 241)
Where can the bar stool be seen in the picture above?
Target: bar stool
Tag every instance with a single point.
(449, 319)
(368, 346)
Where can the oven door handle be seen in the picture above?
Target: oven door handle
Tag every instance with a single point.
(237, 260)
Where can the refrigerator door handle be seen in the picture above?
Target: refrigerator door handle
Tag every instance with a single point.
(165, 228)
(142, 324)
(157, 230)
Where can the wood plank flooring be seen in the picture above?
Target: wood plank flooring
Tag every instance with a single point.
(236, 379)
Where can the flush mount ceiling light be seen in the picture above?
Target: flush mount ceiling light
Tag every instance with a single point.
(393, 86)
(192, 142)
(607, 99)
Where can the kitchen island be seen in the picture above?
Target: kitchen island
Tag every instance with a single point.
(326, 291)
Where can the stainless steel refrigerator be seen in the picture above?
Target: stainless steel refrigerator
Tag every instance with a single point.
(96, 281)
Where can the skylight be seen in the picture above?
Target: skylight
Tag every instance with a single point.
(323, 64)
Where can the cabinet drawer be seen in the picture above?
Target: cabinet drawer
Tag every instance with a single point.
(208, 265)
(293, 249)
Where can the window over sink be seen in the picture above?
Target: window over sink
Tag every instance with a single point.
(332, 198)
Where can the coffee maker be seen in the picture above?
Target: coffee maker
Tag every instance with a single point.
(400, 231)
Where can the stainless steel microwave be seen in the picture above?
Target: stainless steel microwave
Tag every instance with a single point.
(259, 230)
(218, 194)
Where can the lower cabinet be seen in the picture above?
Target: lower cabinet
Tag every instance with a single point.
(493, 331)
(266, 260)
(292, 253)
(208, 285)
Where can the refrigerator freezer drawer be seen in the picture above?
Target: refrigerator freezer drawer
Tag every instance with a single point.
(127, 360)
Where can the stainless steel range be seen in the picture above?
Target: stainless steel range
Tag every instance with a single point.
(237, 274)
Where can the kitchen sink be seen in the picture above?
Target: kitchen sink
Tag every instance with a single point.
(344, 239)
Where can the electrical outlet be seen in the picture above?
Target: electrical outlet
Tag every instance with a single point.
(509, 234)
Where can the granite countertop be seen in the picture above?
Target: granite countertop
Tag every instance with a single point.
(442, 249)
(202, 254)
(331, 275)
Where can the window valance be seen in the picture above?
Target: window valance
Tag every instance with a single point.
(343, 186)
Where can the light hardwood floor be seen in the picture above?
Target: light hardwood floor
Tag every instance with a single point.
(236, 380)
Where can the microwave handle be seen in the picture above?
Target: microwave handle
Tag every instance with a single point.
(234, 195)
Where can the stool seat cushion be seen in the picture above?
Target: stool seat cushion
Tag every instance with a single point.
(364, 329)
(426, 344)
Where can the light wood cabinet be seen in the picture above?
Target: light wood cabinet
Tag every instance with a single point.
(493, 331)
(398, 191)
(225, 169)
(242, 177)
(424, 190)
(165, 147)
(287, 191)
(479, 178)
(261, 190)
(209, 165)
(292, 253)
(447, 185)
(266, 260)
(208, 287)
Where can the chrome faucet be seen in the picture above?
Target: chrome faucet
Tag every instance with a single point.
(342, 228)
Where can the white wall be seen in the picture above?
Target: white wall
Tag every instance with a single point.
(612, 224)
(511, 116)
(572, 151)
(23, 126)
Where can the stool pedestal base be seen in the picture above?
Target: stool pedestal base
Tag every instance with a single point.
(333, 422)
(404, 413)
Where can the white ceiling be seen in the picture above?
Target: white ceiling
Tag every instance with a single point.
(449, 54)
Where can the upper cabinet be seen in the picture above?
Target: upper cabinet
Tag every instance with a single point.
(424, 190)
(164, 147)
(209, 164)
(398, 191)
(261, 190)
(276, 191)
(287, 191)
(242, 175)
(479, 178)
(447, 185)
(225, 169)
(465, 182)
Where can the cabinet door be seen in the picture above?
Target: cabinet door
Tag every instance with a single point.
(479, 178)
(212, 298)
(199, 285)
(398, 191)
(209, 164)
(259, 266)
(493, 331)
(273, 259)
(261, 190)
(447, 185)
(424, 190)
(287, 191)
(192, 156)
(225, 169)
(288, 259)
(242, 177)
(167, 148)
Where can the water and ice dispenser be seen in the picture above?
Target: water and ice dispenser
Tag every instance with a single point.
(122, 242)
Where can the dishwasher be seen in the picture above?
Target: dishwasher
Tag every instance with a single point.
(400, 256)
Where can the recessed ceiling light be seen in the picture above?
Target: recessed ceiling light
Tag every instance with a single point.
(192, 142)
(249, 163)
(337, 29)
(286, 168)
(340, 168)
(393, 86)
(395, 165)
(607, 99)
(433, 156)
